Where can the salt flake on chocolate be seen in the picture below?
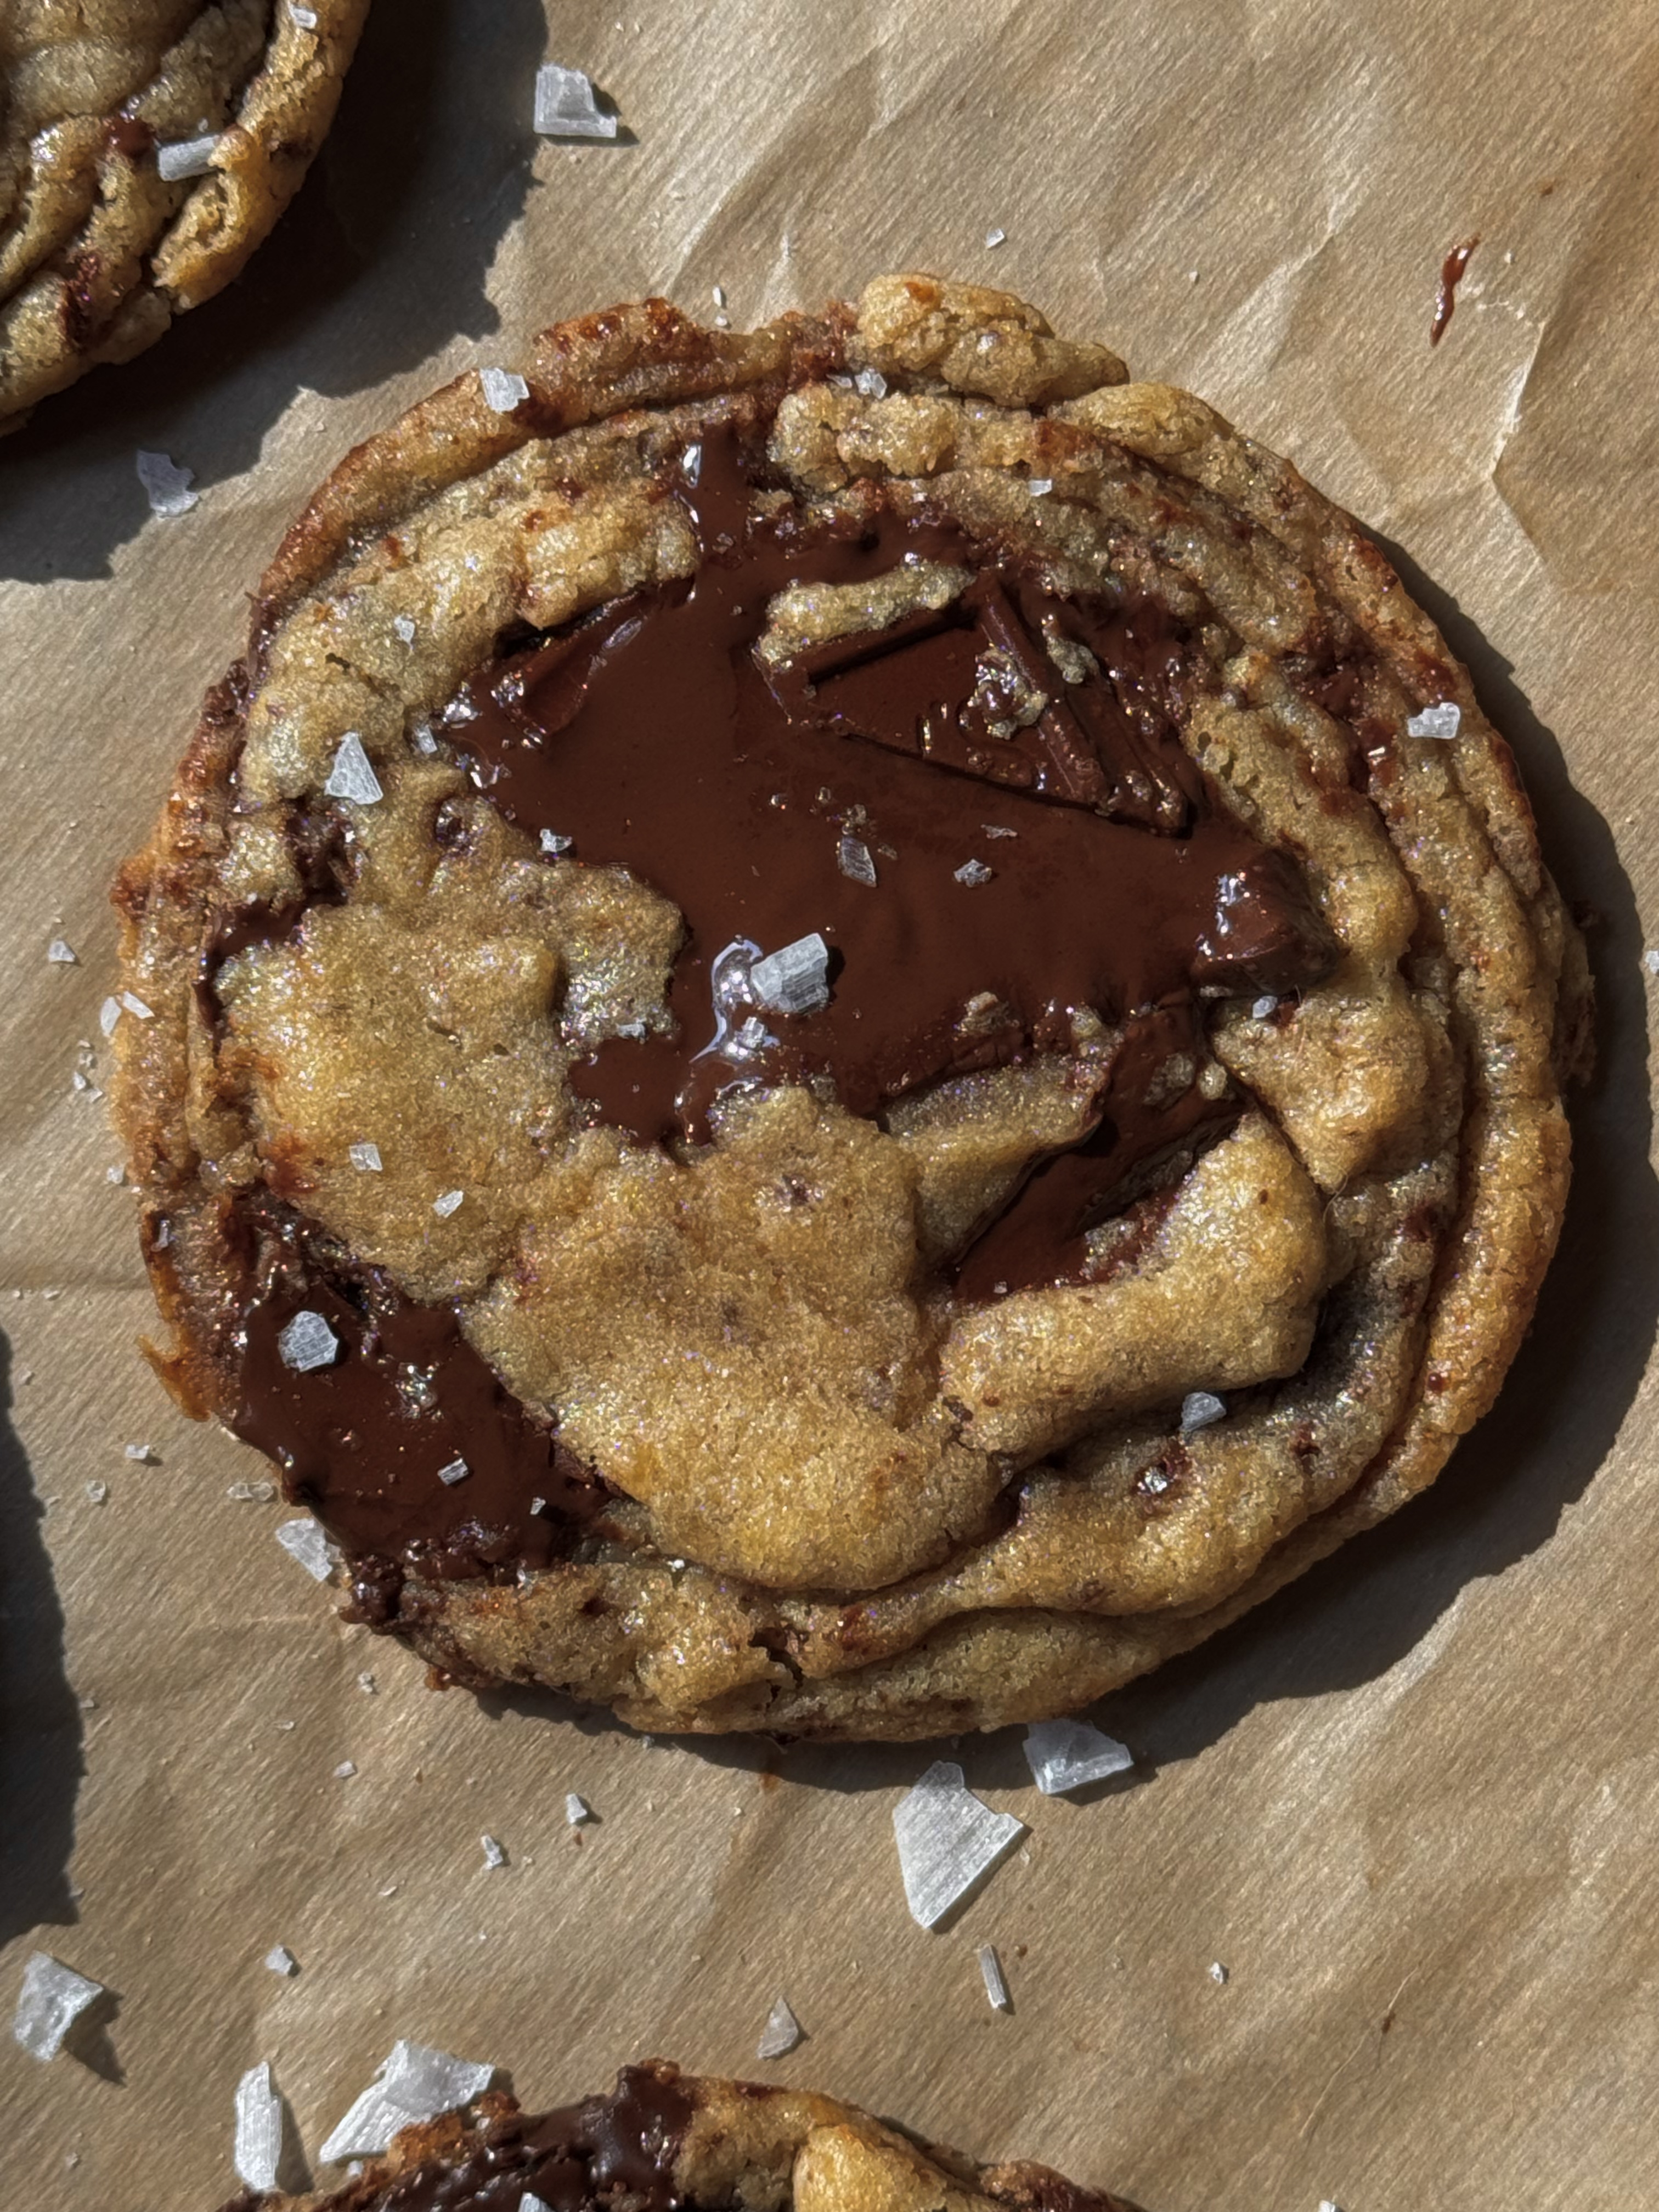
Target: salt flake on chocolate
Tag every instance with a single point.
(446, 1203)
(1068, 1754)
(308, 1342)
(53, 1998)
(136, 1006)
(307, 1543)
(852, 858)
(414, 2085)
(186, 157)
(973, 872)
(781, 2032)
(948, 1842)
(351, 776)
(455, 1471)
(502, 390)
(1200, 1409)
(166, 486)
(258, 2151)
(364, 1158)
(555, 846)
(531, 2202)
(794, 980)
(1441, 720)
(1261, 1007)
(566, 106)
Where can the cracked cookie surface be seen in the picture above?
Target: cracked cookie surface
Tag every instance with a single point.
(826, 961)
(100, 246)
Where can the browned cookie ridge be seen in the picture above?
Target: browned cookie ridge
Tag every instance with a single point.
(662, 2140)
(829, 1050)
(147, 147)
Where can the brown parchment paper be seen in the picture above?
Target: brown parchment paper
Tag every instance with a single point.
(1413, 1807)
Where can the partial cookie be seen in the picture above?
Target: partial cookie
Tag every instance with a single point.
(846, 1029)
(663, 2140)
(146, 148)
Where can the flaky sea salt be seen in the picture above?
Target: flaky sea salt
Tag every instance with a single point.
(282, 1960)
(852, 858)
(166, 486)
(108, 1014)
(364, 1158)
(973, 872)
(554, 845)
(98, 1491)
(304, 17)
(996, 830)
(414, 2084)
(996, 1984)
(344, 1770)
(794, 980)
(446, 1203)
(1442, 720)
(995, 236)
(404, 628)
(494, 1852)
(252, 1493)
(53, 1998)
(576, 1809)
(306, 1342)
(1068, 1754)
(351, 776)
(781, 2032)
(143, 1454)
(62, 953)
(1039, 488)
(1261, 1007)
(258, 2150)
(307, 1542)
(1218, 1973)
(871, 383)
(457, 1470)
(136, 1007)
(1200, 1409)
(502, 390)
(1651, 960)
(366, 1683)
(948, 1841)
(186, 157)
(566, 106)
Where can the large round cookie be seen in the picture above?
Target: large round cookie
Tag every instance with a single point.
(827, 1046)
(146, 148)
(663, 2140)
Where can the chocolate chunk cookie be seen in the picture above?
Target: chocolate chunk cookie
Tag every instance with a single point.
(146, 148)
(846, 1029)
(663, 2140)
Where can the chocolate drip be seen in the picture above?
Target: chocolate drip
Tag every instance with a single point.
(360, 1442)
(617, 2153)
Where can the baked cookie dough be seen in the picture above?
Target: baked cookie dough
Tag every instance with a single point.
(146, 148)
(663, 2140)
(844, 1030)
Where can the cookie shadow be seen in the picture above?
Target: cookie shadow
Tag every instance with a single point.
(382, 258)
(41, 1757)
